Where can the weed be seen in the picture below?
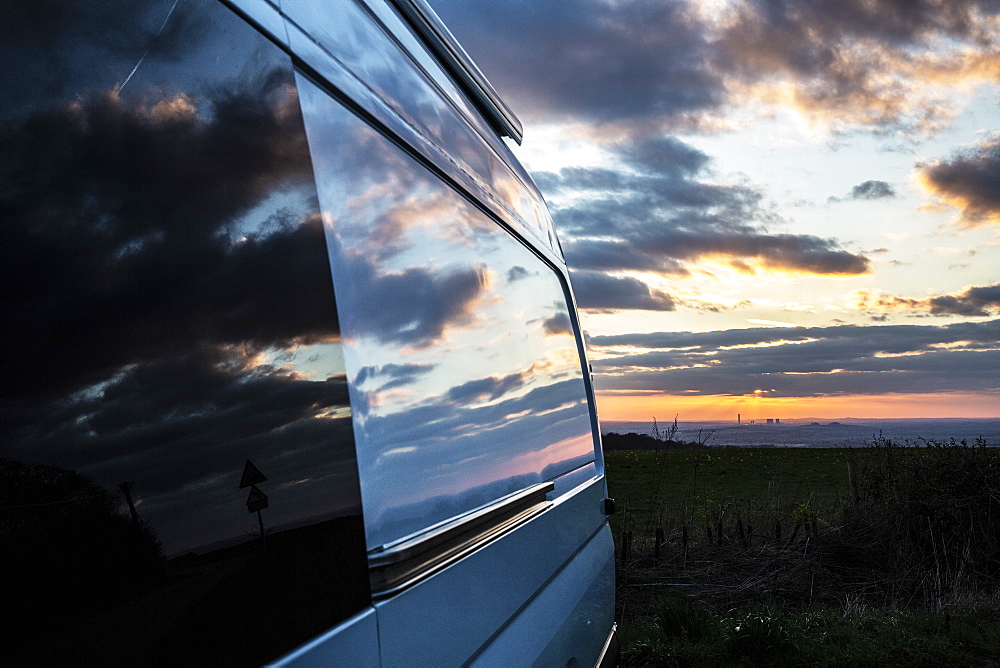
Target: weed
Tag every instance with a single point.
(758, 636)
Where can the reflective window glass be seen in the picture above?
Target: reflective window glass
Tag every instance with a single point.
(380, 58)
(174, 382)
(461, 356)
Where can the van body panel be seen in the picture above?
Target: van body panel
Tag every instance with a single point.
(353, 643)
(559, 627)
(463, 606)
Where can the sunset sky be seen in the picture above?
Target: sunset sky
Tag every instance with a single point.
(779, 209)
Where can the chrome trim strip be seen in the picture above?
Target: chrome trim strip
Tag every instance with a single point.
(457, 61)
(398, 565)
(611, 654)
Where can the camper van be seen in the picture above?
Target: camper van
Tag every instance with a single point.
(293, 372)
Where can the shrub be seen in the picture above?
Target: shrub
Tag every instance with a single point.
(931, 515)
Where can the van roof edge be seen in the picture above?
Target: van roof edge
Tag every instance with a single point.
(429, 26)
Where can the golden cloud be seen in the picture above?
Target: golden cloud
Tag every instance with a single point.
(969, 182)
(972, 301)
(853, 67)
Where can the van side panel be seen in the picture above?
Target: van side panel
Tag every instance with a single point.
(573, 610)
(456, 613)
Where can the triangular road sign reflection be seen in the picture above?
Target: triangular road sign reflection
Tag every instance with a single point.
(251, 475)
(257, 500)
(256, 496)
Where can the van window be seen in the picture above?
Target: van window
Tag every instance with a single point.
(479, 391)
(173, 371)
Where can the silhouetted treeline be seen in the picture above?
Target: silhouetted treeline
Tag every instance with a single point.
(67, 550)
(633, 441)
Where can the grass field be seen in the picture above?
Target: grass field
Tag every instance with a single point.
(659, 489)
(754, 564)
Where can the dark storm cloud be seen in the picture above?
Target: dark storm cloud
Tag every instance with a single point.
(664, 156)
(601, 292)
(656, 171)
(180, 423)
(835, 53)
(970, 181)
(897, 338)
(632, 62)
(973, 301)
(55, 53)
(207, 397)
(806, 36)
(845, 359)
(665, 250)
(590, 60)
(119, 223)
(615, 255)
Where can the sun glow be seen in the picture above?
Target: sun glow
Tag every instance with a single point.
(637, 407)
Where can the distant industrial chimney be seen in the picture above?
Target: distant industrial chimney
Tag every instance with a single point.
(737, 418)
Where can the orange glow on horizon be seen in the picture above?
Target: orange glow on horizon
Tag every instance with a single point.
(623, 407)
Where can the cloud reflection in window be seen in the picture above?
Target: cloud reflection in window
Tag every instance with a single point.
(425, 281)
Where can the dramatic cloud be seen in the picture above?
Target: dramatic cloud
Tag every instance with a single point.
(55, 54)
(652, 214)
(745, 249)
(843, 64)
(786, 362)
(141, 212)
(973, 301)
(395, 375)
(181, 423)
(601, 292)
(412, 307)
(856, 64)
(970, 182)
(593, 61)
(559, 324)
(485, 389)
